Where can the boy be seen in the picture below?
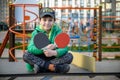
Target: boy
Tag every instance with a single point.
(53, 59)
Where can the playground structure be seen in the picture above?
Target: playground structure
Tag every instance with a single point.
(12, 32)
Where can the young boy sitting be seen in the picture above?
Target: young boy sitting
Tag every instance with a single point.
(53, 59)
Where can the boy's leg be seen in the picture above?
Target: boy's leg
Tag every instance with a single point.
(62, 64)
(32, 59)
(66, 59)
(55, 65)
(38, 63)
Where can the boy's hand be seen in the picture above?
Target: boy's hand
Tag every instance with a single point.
(50, 53)
(51, 46)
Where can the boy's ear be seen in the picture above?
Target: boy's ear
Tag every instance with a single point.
(39, 18)
(54, 19)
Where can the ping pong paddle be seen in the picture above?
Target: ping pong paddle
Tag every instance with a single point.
(41, 40)
(62, 40)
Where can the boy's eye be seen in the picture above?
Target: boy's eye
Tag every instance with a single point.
(47, 20)
(44, 19)
(50, 19)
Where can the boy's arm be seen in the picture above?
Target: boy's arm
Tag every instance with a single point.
(61, 51)
(31, 47)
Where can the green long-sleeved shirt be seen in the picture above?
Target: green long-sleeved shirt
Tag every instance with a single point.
(55, 30)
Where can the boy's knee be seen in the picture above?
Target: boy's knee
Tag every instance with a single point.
(25, 56)
(70, 56)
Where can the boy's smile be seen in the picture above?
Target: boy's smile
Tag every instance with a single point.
(47, 23)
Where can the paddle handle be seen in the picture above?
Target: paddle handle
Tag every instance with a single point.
(44, 48)
(55, 45)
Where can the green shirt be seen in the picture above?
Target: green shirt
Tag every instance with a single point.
(55, 30)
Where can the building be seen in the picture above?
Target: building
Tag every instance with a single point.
(4, 9)
(109, 8)
(65, 13)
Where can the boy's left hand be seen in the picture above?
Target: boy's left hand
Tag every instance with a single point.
(50, 53)
(51, 46)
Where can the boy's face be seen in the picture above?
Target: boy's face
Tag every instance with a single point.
(47, 22)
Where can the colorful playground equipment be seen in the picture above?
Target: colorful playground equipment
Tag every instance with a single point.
(26, 19)
(96, 29)
(12, 32)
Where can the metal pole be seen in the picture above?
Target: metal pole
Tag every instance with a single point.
(11, 35)
(100, 34)
(95, 35)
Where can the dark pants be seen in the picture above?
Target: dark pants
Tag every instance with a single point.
(43, 61)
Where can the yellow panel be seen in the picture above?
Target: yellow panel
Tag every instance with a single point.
(83, 61)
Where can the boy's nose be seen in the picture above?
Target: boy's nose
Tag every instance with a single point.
(47, 22)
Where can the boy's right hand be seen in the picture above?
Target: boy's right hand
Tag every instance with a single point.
(50, 53)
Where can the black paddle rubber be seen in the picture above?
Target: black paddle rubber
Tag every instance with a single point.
(41, 40)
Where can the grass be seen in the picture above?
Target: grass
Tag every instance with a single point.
(81, 48)
(16, 44)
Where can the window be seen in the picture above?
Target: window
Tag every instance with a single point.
(70, 2)
(63, 10)
(108, 5)
(81, 16)
(56, 2)
(76, 2)
(103, 7)
(88, 1)
(75, 15)
(82, 3)
(88, 15)
(103, 0)
(117, 6)
(69, 10)
(117, 14)
(63, 2)
(108, 13)
(82, 11)
(63, 16)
